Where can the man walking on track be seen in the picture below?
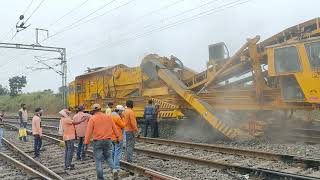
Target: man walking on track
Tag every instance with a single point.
(81, 130)
(23, 117)
(69, 135)
(37, 131)
(118, 119)
(131, 130)
(101, 127)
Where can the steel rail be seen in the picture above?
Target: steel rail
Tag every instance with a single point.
(131, 167)
(270, 174)
(308, 162)
(40, 166)
(23, 166)
(224, 166)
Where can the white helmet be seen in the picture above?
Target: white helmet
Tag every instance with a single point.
(120, 108)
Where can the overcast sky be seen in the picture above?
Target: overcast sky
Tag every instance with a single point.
(108, 32)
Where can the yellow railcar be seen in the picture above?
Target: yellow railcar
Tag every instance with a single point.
(279, 73)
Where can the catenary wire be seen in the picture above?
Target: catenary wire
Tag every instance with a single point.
(79, 20)
(66, 14)
(197, 16)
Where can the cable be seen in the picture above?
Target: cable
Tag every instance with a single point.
(66, 14)
(192, 18)
(28, 7)
(34, 10)
(148, 14)
(79, 20)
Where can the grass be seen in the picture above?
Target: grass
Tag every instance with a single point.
(51, 103)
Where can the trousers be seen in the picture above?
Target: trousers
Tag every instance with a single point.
(80, 150)
(130, 143)
(1, 134)
(102, 150)
(68, 152)
(37, 145)
(116, 154)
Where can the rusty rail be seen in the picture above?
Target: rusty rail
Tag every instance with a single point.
(42, 168)
(23, 166)
(308, 162)
(131, 167)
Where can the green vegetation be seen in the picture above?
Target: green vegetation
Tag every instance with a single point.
(51, 103)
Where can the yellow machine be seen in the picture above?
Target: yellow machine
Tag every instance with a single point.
(279, 73)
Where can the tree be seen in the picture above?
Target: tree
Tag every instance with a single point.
(3, 90)
(16, 84)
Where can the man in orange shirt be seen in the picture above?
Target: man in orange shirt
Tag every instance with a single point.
(131, 129)
(37, 131)
(101, 127)
(69, 135)
(118, 119)
(81, 130)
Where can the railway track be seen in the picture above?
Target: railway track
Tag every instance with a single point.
(52, 158)
(12, 166)
(246, 162)
(270, 165)
(264, 164)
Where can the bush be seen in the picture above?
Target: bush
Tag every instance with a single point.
(51, 103)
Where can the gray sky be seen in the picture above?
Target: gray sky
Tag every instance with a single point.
(125, 31)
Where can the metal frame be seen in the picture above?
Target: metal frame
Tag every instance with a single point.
(61, 51)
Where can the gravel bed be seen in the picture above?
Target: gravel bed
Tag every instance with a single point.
(179, 130)
(183, 170)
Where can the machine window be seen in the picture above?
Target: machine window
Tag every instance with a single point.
(290, 89)
(287, 60)
(313, 51)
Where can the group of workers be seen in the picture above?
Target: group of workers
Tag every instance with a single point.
(106, 130)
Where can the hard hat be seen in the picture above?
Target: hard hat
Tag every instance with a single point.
(96, 107)
(120, 108)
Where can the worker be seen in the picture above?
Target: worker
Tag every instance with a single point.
(109, 108)
(69, 135)
(101, 127)
(131, 130)
(81, 130)
(23, 118)
(155, 125)
(1, 127)
(118, 118)
(148, 116)
(37, 131)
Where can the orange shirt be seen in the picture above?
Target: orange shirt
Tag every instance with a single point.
(131, 122)
(36, 126)
(69, 131)
(120, 123)
(101, 127)
(81, 128)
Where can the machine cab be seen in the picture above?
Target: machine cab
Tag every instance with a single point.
(297, 65)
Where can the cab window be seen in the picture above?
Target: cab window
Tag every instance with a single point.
(286, 60)
(313, 51)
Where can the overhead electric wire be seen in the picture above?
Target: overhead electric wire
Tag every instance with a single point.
(79, 20)
(28, 7)
(182, 21)
(148, 14)
(68, 13)
(34, 10)
(179, 14)
(134, 21)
